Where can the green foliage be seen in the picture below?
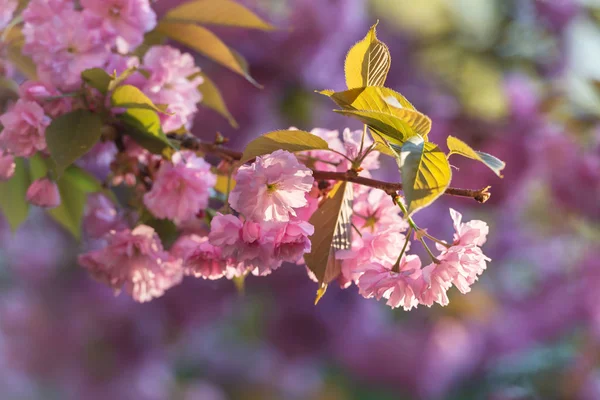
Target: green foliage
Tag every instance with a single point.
(321, 260)
(212, 98)
(144, 127)
(289, 140)
(425, 172)
(392, 128)
(97, 78)
(457, 146)
(12, 196)
(129, 96)
(72, 135)
(221, 12)
(367, 62)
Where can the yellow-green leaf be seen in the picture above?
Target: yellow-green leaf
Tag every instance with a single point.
(13, 205)
(144, 127)
(221, 12)
(367, 62)
(292, 141)
(389, 126)
(212, 98)
(225, 184)
(457, 146)
(129, 96)
(381, 99)
(207, 43)
(425, 172)
(14, 42)
(321, 259)
(72, 135)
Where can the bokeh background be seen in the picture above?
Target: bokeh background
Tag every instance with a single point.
(515, 78)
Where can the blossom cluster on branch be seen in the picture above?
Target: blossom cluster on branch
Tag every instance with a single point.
(162, 211)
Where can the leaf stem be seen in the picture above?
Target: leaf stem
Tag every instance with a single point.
(396, 267)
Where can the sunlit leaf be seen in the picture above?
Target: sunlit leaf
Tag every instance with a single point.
(383, 100)
(144, 127)
(211, 98)
(225, 184)
(97, 78)
(425, 172)
(321, 260)
(320, 293)
(129, 96)
(367, 62)
(457, 146)
(387, 125)
(289, 140)
(207, 43)
(72, 135)
(221, 12)
(12, 196)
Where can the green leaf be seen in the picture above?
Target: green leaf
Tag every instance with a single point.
(12, 196)
(117, 80)
(321, 260)
(425, 172)
(457, 146)
(212, 98)
(129, 96)
(145, 128)
(381, 99)
(289, 140)
(207, 43)
(73, 197)
(222, 12)
(88, 183)
(389, 126)
(367, 62)
(97, 78)
(72, 135)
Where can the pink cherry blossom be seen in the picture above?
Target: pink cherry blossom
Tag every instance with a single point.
(7, 8)
(181, 187)
(40, 91)
(271, 188)
(328, 160)
(375, 211)
(200, 258)
(127, 20)
(101, 216)
(169, 83)
(437, 280)
(7, 165)
(291, 239)
(43, 193)
(400, 288)
(356, 146)
(134, 260)
(473, 232)
(24, 128)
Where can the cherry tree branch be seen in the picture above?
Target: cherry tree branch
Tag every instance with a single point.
(193, 143)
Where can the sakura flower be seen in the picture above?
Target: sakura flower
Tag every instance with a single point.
(400, 288)
(101, 216)
(437, 280)
(181, 187)
(326, 160)
(291, 239)
(127, 20)
(24, 128)
(200, 258)
(356, 145)
(473, 232)
(134, 260)
(40, 92)
(271, 188)
(169, 83)
(7, 165)
(43, 193)
(7, 8)
(375, 211)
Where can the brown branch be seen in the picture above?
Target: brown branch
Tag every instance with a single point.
(193, 143)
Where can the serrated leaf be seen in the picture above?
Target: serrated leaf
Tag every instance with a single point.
(457, 146)
(69, 213)
(207, 43)
(128, 96)
(367, 62)
(72, 135)
(222, 12)
(321, 260)
(425, 172)
(389, 126)
(381, 99)
(97, 78)
(13, 205)
(212, 98)
(144, 127)
(292, 141)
